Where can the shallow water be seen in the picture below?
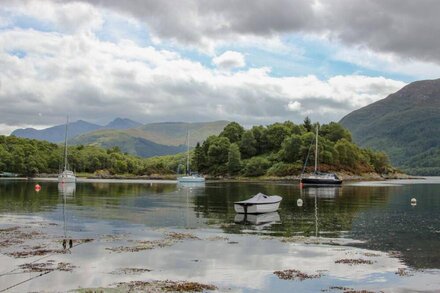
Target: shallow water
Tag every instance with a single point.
(369, 220)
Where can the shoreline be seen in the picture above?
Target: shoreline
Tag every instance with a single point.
(173, 179)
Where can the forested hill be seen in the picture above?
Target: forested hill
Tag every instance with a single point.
(405, 125)
(279, 149)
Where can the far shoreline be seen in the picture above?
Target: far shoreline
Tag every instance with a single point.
(173, 178)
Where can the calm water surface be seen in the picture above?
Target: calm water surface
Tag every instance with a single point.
(372, 216)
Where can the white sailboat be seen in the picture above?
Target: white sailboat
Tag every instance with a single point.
(66, 176)
(190, 177)
(258, 204)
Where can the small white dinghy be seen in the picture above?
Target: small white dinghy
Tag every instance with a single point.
(258, 204)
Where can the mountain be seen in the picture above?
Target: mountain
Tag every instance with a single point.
(152, 139)
(174, 133)
(126, 143)
(56, 133)
(406, 125)
(122, 123)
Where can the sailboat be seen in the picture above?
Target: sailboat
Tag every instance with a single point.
(66, 176)
(190, 177)
(319, 178)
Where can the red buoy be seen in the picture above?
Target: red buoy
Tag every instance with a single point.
(37, 187)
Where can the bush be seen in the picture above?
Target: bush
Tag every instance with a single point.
(256, 166)
(283, 169)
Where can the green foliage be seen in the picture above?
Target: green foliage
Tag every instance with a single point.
(233, 131)
(291, 149)
(282, 169)
(276, 133)
(234, 159)
(248, 144)
(256, 166)
(334, 132)
(198, 158)
(218, 150)
(307, 124)
(279, 149)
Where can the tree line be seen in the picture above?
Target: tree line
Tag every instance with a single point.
(279, 149)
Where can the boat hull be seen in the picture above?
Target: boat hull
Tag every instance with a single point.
(190, 179)
(256, 208)
(320, 181)
(67, 177)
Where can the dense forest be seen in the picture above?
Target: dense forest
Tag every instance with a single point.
(279, 149)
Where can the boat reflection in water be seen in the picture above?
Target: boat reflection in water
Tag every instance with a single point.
(259, 220)
(67, 189)
(322, 192)
(191, 185)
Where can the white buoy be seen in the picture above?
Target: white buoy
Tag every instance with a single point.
(299, 202)
(413, 201)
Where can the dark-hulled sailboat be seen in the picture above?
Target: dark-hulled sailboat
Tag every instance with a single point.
(320, 178)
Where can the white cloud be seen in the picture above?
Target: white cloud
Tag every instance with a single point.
(70, 17)
(229, 60)
(97, 81)
(294, 106)
(403, 28)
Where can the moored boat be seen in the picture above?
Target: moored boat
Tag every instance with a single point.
(319, 178)
(258, 204)
(66, 176)
(190, 177)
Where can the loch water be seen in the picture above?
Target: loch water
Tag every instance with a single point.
(373, 217)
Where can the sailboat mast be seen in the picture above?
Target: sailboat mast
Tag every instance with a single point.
(65, 145)
(187, 149)
(316, 150)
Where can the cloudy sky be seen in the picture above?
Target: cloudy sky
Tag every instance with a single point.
(254, 62)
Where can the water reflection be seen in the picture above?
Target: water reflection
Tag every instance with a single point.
(381, 216)
(261, 220)
(322, 192)
(67, 189)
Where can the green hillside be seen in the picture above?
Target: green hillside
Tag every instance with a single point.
(405, 125)
(126, 143)
(152, 139)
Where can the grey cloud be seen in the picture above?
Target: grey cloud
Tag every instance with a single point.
(407, 28)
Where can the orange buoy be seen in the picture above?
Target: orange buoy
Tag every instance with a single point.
(37, 187)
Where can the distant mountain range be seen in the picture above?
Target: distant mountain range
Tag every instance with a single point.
(406, 125)
(56, 133)
(132, 137)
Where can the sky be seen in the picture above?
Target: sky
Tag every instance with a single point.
(254, 62)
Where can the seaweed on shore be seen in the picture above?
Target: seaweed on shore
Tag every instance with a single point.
(355, 261)
(48, 266)
(130, 271)
(170, 239)
(170, 286)
(295, 275)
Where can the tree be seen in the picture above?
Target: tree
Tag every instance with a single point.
(233, 131)
(248, 144)
(348, 153)
(218, 151)
(291, 149)
(256, 166)
(307, 124)
(198, 159)
(334, 132)
(260, 136)
(234, 159)
(276, 133)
